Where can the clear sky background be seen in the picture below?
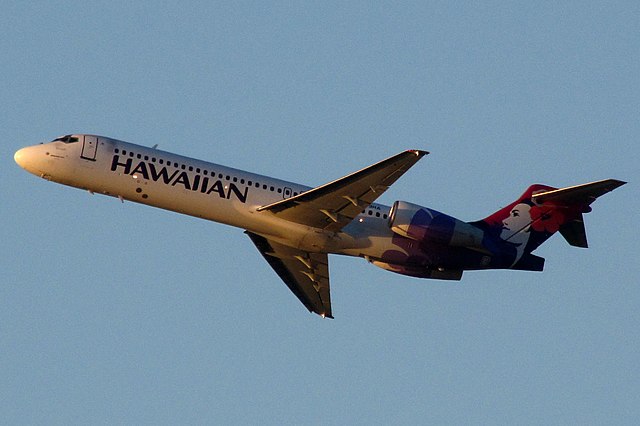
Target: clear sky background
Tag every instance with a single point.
(121, 313)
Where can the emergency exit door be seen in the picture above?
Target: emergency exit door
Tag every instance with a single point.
(89, 147)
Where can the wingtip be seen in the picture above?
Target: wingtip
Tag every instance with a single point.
(614, 183)
(418, 152)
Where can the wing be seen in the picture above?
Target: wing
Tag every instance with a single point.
(333, 205)
(306, 274)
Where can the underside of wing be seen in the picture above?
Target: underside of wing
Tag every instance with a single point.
(333, 205)
(306, 274)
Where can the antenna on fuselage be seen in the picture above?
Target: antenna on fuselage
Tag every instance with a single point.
(155, 146)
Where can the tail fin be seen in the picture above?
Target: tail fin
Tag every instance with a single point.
(572, 229)
(540, 212)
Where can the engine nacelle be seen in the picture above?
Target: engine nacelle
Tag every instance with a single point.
(424, 224)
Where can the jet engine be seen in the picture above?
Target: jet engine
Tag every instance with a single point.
(428, 225)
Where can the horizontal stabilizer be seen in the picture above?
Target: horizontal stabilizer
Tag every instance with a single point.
(579, 194)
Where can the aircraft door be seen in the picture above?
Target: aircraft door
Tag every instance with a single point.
(89, 147)
(286, 193)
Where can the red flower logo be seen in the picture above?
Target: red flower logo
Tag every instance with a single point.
(546, 218)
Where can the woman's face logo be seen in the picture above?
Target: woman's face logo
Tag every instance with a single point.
(515, 228)
(518, 220)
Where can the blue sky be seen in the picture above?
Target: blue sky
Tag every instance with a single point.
(120, 313)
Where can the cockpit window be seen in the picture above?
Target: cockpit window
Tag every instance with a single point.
(66, 139)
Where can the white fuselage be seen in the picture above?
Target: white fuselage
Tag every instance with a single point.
(201, 189)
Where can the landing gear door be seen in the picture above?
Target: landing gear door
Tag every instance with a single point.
(89, 147)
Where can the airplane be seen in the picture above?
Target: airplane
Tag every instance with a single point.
(296, 227)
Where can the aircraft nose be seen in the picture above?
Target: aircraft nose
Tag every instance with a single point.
(20, 157)
(28, 159)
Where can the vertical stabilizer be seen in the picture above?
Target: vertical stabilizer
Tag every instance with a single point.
(519, 228)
